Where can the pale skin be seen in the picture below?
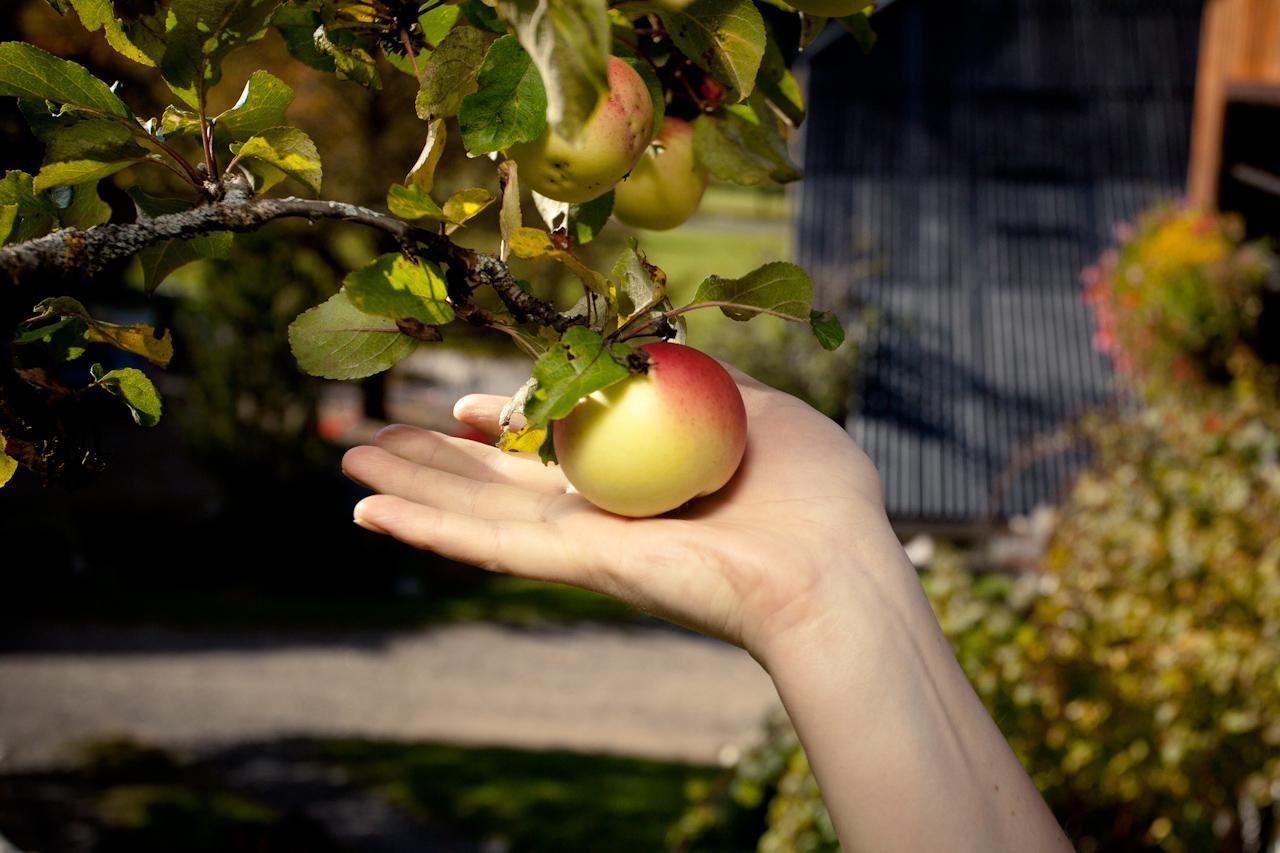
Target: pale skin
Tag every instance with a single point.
(794, 561)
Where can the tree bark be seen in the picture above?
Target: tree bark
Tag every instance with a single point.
(73, 250)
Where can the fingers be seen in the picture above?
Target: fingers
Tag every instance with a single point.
(469, 459)
(526, 548)
(390, 474)
(481, 411)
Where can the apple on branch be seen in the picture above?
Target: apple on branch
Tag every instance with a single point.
(608, 147)
(656, 440)
(666, 186)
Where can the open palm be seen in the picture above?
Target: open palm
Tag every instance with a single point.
(736, 564)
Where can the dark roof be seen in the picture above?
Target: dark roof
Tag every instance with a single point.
(957, 179)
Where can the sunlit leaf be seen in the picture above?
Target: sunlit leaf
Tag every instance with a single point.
(779, 287)
(578, 365)
(568, 41)
(394, 287)
(287, 149)
(336, 340)
(509, 105)
(134, 388)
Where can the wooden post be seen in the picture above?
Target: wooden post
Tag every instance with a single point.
(1239, 43)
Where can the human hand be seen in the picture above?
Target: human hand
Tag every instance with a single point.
(746, 564)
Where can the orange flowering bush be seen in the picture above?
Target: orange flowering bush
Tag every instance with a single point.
(1179, 300)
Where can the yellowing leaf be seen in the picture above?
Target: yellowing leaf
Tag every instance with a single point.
(527, 439)
(8, 464)
(535, 244)
(139, 340)
(466, 204)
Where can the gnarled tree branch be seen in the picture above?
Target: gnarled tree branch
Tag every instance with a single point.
(73, 250)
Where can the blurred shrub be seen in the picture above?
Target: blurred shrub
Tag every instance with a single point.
(788, 357)
(1180, 300)
(1137, 675)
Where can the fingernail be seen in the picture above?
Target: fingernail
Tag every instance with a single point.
(367, 524)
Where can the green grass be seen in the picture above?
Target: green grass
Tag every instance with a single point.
(126, 796)
(528, 801)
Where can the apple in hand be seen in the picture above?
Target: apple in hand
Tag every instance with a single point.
(666, 186)
(827, 8)
(657, 440)
(608, 146)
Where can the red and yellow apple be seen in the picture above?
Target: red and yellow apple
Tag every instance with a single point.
(581, 169)
(657, 440)
(666, 186)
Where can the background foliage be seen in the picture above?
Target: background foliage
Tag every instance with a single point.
(1136, 672)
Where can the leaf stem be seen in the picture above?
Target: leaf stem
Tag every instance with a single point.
(694, 306)
(408, 48)
(206, 134)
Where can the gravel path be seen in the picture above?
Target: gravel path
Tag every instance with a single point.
(643, 692)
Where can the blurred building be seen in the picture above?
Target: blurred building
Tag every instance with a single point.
(974, 163)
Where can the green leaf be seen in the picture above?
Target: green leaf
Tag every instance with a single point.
(483, 16)
(350, 60)
(450, 74)
(86, 209)
(175, 122)
(859, 25)
(134, 388)
(510, 105)
(71, 172)
(437, 23)
(297, 27)
(336, 340)
(202, 34)
(578, 365)
(8, 218)
(637, 280)
(412, 203)
(743, 144)
(779, 287)
(27, 71)
(423, 173)
(261, 107)
(726, 38)
(7, 463)
(63, 339)
(36, 214)
(139, 338)
(395, 287)
(827, 328)
(287, 149)
(163, 259)
(137, 40)
(467, 204)
(91, 139)
(568, 41)
(778, 85)
(587, 219)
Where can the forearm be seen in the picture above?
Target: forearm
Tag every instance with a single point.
(905, 753)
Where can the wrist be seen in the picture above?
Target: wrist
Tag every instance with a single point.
(860, 597)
